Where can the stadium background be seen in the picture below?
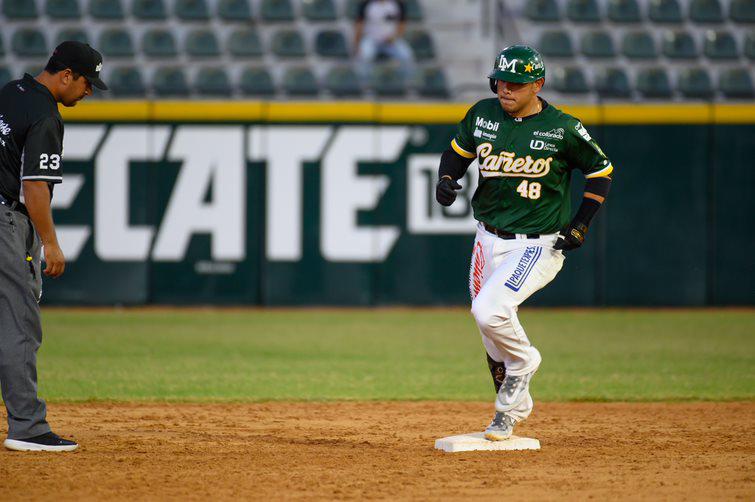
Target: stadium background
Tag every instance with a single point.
(239, 162)
(238, 158)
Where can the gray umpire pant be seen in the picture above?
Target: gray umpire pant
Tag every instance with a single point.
(20, 324)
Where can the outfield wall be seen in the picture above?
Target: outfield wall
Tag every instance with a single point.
(311, 204)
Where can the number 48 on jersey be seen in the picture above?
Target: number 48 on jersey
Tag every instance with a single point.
(529, 189)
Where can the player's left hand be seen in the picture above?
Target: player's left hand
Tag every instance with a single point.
(572, 237)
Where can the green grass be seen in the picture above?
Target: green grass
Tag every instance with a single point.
(253, 355)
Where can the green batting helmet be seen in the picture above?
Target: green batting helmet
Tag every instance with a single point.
(517, 63)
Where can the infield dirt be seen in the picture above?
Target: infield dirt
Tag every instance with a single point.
(349, 450)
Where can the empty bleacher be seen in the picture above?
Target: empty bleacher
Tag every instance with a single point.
(215, 48)
(642, 49)
(594, 49)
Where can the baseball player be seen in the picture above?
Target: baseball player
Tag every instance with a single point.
(31, 149)
(525, 149)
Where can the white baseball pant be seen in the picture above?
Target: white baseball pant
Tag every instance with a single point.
(502, 275)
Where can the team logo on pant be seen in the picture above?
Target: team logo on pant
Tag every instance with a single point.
(478, 264)
(525, 266)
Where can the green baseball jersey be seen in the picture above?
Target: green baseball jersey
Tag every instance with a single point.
(525, 165)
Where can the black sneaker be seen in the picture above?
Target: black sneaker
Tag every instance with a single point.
(44, 442)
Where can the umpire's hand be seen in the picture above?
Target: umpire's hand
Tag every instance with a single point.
(445, 191)
(55, 262)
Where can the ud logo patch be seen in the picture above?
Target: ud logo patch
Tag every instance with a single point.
(524, 267)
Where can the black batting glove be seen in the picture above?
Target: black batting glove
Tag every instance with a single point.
(445, 190)
(572, 237)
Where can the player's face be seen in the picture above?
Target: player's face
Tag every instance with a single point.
(515, 97)
(74, 89)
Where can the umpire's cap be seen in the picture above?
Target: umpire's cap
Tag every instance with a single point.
(82, 59)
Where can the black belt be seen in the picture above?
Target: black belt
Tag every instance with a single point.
(14, 205)
(506, 235)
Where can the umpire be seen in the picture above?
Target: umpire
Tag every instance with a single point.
(31, 146)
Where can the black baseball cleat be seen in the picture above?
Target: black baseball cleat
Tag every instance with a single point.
(44, 442)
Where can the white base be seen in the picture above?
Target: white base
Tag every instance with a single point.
(476, 441)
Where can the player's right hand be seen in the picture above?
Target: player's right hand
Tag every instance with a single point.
(445, 191)
(55, 262)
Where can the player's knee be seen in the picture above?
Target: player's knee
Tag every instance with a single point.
(488, 315)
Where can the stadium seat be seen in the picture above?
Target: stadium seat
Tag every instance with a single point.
(597, 44)
(736, 83)
(433, 83)
(557, 44)
(116, 43)
(191, 10)
(388, 81)
(543, 11)
(5, 76)
(706, 11)
(750, 45)
(583, 11)
(421, 44)
(234, 10)
(106, 10)
(665, 11)
(288, 44)
(624, 11)
(612, 83)
(319, 10)
(76, 34)
(342, 81)
(331, 44)
(277, 11)
(202, 43)
(639, 45)
(19, 9)
(720, 45)
(654, 83)
(679, 45)
(29, 43)
(126, 81)
(695, 83)
(212, 82)
(245, 43)
(300, 81)
(159, 43)
(256, 82)
(170, 81)
(149, 10)
(570, 80)
(62, 9)
(413, 10)
(742, 11)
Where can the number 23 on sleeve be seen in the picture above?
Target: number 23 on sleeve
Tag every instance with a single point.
(51, 161)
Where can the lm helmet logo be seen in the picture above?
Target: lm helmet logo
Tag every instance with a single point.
(506, 65)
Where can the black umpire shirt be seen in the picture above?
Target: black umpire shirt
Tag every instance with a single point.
(31, 137)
